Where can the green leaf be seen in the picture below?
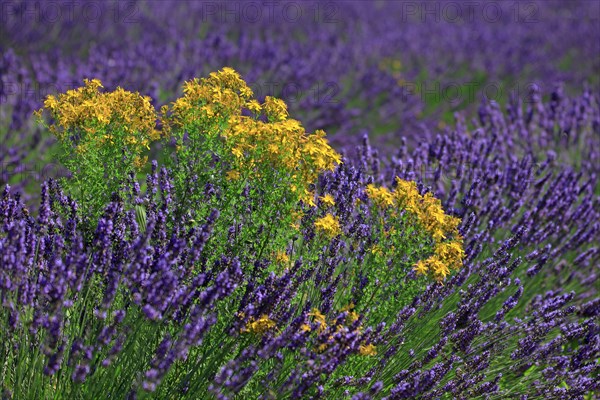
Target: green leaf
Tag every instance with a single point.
(529, 370)
(140, 216)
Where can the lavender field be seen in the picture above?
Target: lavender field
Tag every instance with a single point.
(299, 199)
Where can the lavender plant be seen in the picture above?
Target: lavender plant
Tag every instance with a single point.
(164, 302)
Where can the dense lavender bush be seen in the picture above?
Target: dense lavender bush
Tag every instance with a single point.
(150, 301)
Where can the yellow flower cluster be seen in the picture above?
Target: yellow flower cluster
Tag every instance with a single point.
(367, 350)
(327, 200)
(319, 318)
(97, 118)
(260, 325)
(275, 109)
(296, 219)
(232, 175)
(447, 256)
(380, 196)
(221, 94)
(216, 103)
(282, 145)
(427, 208)
(281, 257)
(264, 324)
(448, 253)
(329, 224)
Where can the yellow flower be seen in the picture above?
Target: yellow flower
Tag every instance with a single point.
(51, 103)
(381, 196)
(352, 317)
(246, 92)
(139, 162)
(440, 269)
(233, 175)
(236, 151)
(450, 225)
(320, 318)
(433, 219)
(329, 225)
(289, 148)
(275, 109)
(260, 326)
(376, 249)
(434, 265)
(451, 253)
(407, 194)
(447, 256)
(421, 267)
(327, 200)
(296, 218)
(309, 198)
(254, 106)
(93, 84)
(282, 257)
(367, 350)
(321, 348)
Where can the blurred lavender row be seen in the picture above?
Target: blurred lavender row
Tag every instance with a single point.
(389, 69)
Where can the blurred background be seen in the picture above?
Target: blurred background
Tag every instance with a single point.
(388, 69)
